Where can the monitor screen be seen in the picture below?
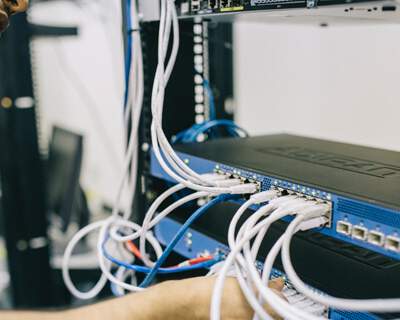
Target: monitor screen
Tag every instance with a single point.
(63, 173)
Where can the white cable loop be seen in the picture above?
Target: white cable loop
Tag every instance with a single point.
(367, 305)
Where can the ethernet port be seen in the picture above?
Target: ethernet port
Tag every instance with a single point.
(392, 244)
(195, 5)
(360, 233)
(376, 238)
(225, 3)
(344, 227)
(212, 4)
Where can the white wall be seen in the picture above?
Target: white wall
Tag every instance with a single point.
(340, 83)
(79, 85)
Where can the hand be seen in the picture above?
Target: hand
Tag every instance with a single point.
(184, 300)
(234, 305)
(9, 7)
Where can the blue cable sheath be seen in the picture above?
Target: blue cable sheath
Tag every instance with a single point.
(141, 269)
(190, 135)
(128, 53)
(182, 231)
(216, 123)
(213, 111)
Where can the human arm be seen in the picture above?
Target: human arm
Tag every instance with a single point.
(184, 299)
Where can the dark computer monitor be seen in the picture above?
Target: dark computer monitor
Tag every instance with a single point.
(65, 196)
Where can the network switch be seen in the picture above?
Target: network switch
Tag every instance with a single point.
(232, 9)
(362, 184)
(204, 7)
(199, 243)
(229, 10)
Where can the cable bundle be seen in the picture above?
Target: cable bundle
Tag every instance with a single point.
(168, 159)
(308, 215)
(243, 255)
(119, 231)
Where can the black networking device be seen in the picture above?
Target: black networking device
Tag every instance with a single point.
(221, 7)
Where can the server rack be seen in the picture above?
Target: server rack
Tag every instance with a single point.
(216, 66)
(19, 134)
(151, 187)
(22, 180)
(24, 214)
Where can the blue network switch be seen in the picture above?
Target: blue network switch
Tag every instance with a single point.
(356, 220)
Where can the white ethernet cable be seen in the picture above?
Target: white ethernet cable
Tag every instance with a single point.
(219, 284)
(176, 168)
(133, 109)
(134, 102)
(162, 149)
(149, 222)
(293, 205)
(103, 279)
(153, 208)
(115, 223)
(239, 264)
(280, 305)
(104, 264)
(122, 275)
(290, 206)
(367, 305)
(274, 300)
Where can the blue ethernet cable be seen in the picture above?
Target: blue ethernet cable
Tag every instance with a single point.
(182, 231)
(193, 132)
(128, 53)
(213, 110)
(146, 270)
(174, 270)
(217, 123)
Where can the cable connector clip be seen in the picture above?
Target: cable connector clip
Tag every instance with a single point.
(228, 183)
(313, 223)
(247, 188)
(214, 176)
(315, 211)
(265, 196)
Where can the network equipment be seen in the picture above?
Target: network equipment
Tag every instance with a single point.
(229, 9)
(330, 193)
(368, 280)
(361, 184)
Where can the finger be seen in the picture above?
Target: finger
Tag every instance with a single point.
(15, 6)
(280, 294)
(277, 284)
(271, 311)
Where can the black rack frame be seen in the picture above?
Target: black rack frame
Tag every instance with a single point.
(23, 185)
(22, 179)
